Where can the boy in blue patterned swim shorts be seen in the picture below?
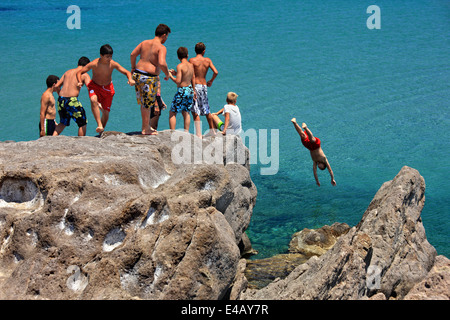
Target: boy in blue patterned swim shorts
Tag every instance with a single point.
(182, 101)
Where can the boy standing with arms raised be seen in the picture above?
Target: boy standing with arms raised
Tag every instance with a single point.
(185, 80)
(101, 88)
(146, 75)
(201, 105)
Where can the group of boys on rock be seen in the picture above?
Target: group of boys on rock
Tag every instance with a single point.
(191, 95)
(189, 76)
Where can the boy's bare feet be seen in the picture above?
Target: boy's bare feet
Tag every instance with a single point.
(210, 133)
(149, 132)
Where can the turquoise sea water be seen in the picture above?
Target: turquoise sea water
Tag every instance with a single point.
(378, 99)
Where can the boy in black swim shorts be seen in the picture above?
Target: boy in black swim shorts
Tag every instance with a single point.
(47, 121)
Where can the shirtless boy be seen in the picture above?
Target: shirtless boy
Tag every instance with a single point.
(68, 105)
(146, 75)
(47, 116)
(184, 77)
(201, 105)
(313, 145)
(101, 88)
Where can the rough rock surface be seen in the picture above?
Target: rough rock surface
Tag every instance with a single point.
(119, 218)
(436, 285)
(384, 256)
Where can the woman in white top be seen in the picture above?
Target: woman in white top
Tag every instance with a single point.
(232, 123)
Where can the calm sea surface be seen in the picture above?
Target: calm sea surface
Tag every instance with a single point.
(378, 99)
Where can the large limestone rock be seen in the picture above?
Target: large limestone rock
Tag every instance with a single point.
(124, 216)
(383, 257)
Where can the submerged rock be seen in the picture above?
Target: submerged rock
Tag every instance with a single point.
(262, 272)
(317, 241)
(124, 216)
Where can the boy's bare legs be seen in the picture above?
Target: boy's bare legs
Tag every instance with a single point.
(105, 118)
(172, 120)
(147, 123)
(187, 120)
(216, 120)
(308, 132)
(299, 130)
(82, 131)
(213, 121)
(145, 115)
(197, 124)
(95, 107)
(59, 128)
(154, 124)
(210, 120)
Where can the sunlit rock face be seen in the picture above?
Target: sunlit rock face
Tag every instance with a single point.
(122, 217)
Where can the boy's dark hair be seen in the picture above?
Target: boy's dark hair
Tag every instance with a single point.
(161, 30)
(182, 52)
(200, 47)
(83, 61)
(106, 49)
(51, 80)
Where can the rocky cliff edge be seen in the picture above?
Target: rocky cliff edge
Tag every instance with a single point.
(122, 217)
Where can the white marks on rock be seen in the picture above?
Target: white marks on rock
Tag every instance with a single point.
(134, 282)
(113, 239)
(6, 241)
(152, 182)
(209, 185)
(64, 224)
(112, 180)
(77, 281)
(33, 237)
(158, 272)
(154, 217)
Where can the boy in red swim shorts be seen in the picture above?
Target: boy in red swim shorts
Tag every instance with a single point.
(104, 94)
(313, 145)
(101, 88)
